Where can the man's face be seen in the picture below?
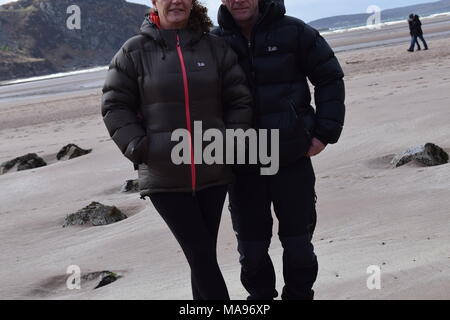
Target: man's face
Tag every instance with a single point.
(242, 10)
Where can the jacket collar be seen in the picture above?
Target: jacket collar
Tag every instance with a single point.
(167, 38)
(270, 10)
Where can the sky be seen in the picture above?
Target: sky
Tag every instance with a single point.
(309, 10)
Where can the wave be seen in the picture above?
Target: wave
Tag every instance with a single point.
(55, 75)
(380, 25)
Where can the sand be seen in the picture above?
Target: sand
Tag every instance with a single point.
(368, 213)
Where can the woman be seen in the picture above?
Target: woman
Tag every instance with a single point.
(172, 74)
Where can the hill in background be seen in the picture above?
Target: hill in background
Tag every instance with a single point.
(35, 39)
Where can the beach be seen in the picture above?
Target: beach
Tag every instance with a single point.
(369, 213)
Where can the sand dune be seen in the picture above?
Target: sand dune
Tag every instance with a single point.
(368, 212)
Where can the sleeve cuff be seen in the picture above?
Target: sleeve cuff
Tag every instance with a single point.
(322, 139)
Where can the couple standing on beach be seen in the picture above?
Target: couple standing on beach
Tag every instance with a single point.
(415, 30)
(250, 72)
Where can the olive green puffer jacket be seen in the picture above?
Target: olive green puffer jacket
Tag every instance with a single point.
(163, 80)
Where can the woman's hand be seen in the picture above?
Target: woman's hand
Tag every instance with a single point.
(316, 147)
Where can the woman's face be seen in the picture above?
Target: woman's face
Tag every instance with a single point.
(173, 14)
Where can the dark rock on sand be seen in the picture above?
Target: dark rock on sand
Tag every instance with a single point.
(107, 277)
(130, 186)
(71, 151)
(28, 161)
(428, 155)
(95, 213)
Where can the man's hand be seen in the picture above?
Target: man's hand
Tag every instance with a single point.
(316, 147)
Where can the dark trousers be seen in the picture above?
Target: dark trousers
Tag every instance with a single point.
(194, 221)
(291, 191)
(414, 41)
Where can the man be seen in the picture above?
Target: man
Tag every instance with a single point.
(415, 30)
(279, 53)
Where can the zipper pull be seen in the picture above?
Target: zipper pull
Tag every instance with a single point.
(249, 44)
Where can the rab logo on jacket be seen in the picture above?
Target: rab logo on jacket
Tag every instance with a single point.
(201, 64)
(272, 48)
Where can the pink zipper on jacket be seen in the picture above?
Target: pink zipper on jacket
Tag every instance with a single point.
(188, 113)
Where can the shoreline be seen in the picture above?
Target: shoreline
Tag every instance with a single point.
(52, 106)
(390, 33)
(382, 24)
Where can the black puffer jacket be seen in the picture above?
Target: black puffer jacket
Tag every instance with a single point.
(415, 26)
(146, 96)
(282, 54)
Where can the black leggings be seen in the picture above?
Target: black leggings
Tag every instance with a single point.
(194, 221)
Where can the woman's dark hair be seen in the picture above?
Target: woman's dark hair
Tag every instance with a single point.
(199, 20)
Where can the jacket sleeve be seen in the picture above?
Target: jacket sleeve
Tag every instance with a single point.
(325, 73)
(236, 96)
(120, 105)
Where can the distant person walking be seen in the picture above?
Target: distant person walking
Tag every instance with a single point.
(411, 32)
(415, 29)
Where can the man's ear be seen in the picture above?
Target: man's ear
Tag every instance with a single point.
(223, 2)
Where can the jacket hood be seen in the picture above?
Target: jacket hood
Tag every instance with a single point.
(149, 29)
(270, 11)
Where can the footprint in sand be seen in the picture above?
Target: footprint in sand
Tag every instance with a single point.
(52, 286)
(58, 285)
(383, 162)
(80, 125)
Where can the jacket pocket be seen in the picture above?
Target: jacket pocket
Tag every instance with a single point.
(294, 141)
(143, 150)
(159, 147)
(298, 125)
